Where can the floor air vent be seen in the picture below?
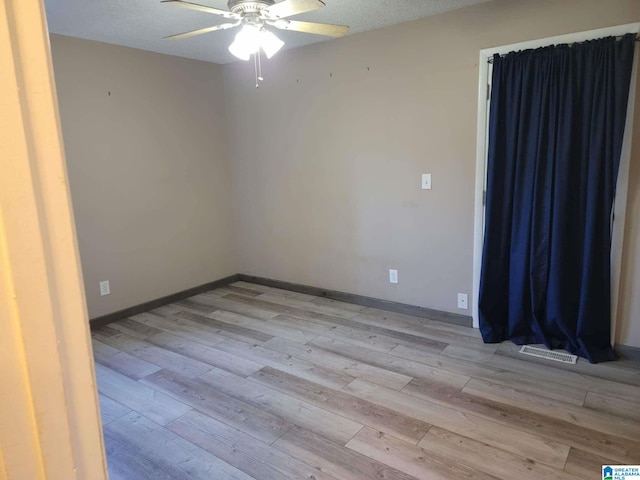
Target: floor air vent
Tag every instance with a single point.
(549, 354)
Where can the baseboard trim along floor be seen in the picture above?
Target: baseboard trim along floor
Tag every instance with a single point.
(627, 352)
(103, 320)
(423, 312)
(446, 317)
(623, 351)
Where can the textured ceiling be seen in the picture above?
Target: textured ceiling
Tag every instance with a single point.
(142, 23)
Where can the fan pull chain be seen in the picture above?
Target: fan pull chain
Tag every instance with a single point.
(257, 65)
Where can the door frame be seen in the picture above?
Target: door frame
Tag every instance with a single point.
(482, 147)
(49, 413)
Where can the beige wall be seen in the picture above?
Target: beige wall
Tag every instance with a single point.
(327, 154)
(148, 166)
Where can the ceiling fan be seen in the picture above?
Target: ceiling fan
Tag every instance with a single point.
(253, 16)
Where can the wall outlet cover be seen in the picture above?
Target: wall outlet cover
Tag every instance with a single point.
(463, 301)
(105, 289)
(393, 276)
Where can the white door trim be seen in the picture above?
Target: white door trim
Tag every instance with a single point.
(481, 158)
(49, 414)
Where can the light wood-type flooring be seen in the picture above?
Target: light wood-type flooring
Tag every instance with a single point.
(251, 382)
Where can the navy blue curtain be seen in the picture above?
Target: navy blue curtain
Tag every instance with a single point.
(555, 137)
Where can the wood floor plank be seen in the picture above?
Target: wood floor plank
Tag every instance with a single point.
(455, 329)
(403, 366)
(253, 421)
(157, 356)
(605, 370)
(379, 343)
(287, 363)
(411, 459)
(566, 432)
(111, 410)
(400, 337)
(212, 331)
(183, 328)
(350, 307)
(320, 327)
(342, 463)
(401, 319)
(563, 377)
(613, 406)
(501, 436)
(226, 329)
(124, 461)
(132, 327)
(211, 294)
(256, 458)
(166, 451)
(472, 353)
(335, 427)
(308, 306)
(121, 362)
(268, 328)
(329, 360)
(203, 353)
(361, 411)
(209, 298)
(600, 422)
(249, 292)
(488, 459)
(220, 303)
(145, 400)
(166, 310)
(195, 306)
(424, 330)
(397, 318)
(105, 331)
(275, 291)
(518, 416)
(493, 374)
(586, 465)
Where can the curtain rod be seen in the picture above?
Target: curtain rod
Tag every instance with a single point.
(490, 60)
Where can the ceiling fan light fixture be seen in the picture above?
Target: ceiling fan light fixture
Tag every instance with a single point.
(270, 43)
(247, 42)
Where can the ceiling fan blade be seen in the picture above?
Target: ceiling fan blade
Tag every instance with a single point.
(224, 26)
(288, 8)
(309, 27)
(202, 8)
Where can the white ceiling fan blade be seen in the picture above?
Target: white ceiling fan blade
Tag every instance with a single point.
(309, 27)
(288, 8)
(202, 8)
(224, 26)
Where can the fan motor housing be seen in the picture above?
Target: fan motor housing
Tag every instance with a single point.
(249, 6)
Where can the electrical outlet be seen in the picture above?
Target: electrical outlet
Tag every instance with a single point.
(105, 289)
(463, 301)
(393, 276)
(426, 181)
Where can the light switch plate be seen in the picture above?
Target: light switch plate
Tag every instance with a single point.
(426, 181)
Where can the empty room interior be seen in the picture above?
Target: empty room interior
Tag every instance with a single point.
(324, 262)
